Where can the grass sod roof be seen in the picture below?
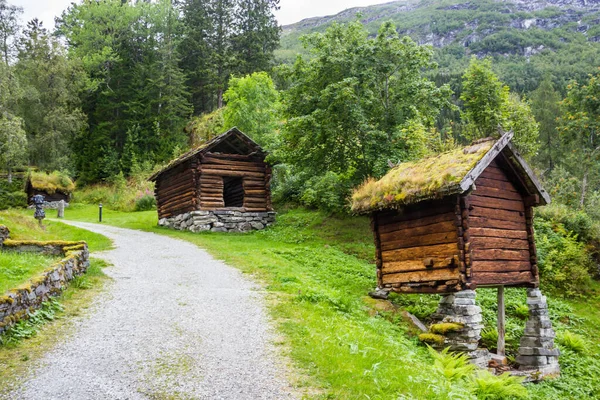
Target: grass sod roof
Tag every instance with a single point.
(51, 182)
(207, 146)
(429, 178)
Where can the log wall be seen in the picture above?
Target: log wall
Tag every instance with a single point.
(419, 250)
(499, 236)
(175, 190)
(256, 176)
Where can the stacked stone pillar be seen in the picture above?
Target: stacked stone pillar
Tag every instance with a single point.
(537, 353)
(460, 308)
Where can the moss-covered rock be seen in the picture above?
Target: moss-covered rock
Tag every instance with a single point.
(432, 338)
(445, 327)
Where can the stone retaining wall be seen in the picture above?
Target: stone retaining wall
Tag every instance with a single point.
(4, 234)
(18, 303)
(220, 221)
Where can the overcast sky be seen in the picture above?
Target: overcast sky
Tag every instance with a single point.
(291, 10)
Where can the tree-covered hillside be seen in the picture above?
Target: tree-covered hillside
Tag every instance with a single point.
(526, 38)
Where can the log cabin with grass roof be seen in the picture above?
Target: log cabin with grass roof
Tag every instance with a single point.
(455, 221)
(222, 185)
(54, 186)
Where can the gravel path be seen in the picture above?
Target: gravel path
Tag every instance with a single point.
(174, 324)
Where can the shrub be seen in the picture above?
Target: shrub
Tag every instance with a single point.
(146, 202)
(564, 263)
(571, 341)
(328, 192)
(490, 387)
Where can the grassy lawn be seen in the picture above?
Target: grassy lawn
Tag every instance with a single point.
(23, 226)
(17, 268)
(318, 269)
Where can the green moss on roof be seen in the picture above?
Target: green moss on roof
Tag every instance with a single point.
(414, 181)
(51, 182)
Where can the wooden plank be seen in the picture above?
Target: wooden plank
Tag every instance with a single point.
(495, 174)
(209, 159)
(486, 222)
(425, 209)
(499, 233)
(497, 193)
(421, 252)
(386, 226)
(418, 265)
(224, 172)
(492, 183)
(500, 254)
(423, 240)
(501, 266)
(498, 243)
(419, 276)
(504, 215)
(507, 278)
(230, 167)
(440, 227)
(502, 204)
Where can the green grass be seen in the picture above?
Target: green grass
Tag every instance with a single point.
(23, 346)
(317, 271)
(23, 226)
(17, 268)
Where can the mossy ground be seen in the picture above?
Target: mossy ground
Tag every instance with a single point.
(16, 359)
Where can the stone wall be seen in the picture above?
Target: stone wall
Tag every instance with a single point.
(18, 303)
(4, 234)
(219, 221)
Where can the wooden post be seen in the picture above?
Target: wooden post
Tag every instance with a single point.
(501, 322)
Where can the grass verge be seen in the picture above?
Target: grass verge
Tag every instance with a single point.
(17, 268)
(28, 341)
(317, 270)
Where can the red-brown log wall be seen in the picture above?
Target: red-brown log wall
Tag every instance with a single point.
(498, 242)
(175, 190)
(418, 250)
(255, 174)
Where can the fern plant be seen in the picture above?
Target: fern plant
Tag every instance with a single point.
(454, 366)
(487, 386)
(571, 341)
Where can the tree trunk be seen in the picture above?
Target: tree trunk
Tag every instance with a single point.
(220, 98)
(583, 188)
(9, 175)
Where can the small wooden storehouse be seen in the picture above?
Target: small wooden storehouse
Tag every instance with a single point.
(225, 174)
(53, 186)
(455, 221)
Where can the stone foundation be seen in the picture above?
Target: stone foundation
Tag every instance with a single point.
(51, 205)
(220, 221)
(537, 354)
(20, 302)
(460, 308)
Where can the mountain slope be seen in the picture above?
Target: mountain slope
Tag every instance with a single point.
(526, 38)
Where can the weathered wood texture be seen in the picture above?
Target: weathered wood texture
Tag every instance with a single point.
(175, 191)
(499, 244)
(418, 249)
(218, 174)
